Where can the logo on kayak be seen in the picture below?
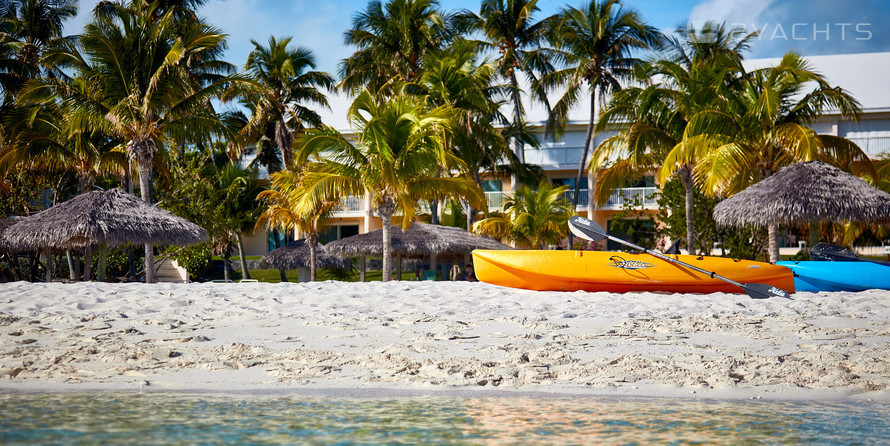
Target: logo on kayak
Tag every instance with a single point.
(618, 262)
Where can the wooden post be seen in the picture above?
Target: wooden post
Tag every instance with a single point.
(48, 263)
(433, 262)
(361, 268)
(88, 265)
(72, 273)
(103, 259)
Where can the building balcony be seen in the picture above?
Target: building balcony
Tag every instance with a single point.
(645, 197)
(873, 146)
(350, 206)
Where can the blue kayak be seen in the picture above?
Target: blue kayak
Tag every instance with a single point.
(838, 276)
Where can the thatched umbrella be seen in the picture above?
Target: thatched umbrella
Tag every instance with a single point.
(102, 218)
(295, 255)
(420, 240)
(810, 192)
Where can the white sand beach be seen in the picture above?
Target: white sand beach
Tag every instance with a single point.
(442, 336)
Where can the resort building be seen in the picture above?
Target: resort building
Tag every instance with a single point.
(863, 75)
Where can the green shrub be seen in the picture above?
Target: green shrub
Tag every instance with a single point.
(196, 259)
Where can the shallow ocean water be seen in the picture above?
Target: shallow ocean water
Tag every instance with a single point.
(199, 418)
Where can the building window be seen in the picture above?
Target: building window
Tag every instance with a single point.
(570, 182)
(277, 239)
(492, 185)
(337, 232)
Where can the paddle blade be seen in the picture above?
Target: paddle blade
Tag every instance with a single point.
(764, 291)
(832, 253)
(586, 229)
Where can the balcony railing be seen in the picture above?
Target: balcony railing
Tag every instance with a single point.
(647, 197)
(873, 146)
(352, 203)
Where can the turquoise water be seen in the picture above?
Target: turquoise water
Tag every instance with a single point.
(176, 418)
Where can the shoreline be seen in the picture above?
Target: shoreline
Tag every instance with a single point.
(441, 339)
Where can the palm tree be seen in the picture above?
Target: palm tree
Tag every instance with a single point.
(456, 78)
(282, 212)
(283, 83)
(596, 43)
(35, 24)
(392, 42)
(763, 127)
(697, 66)
(534, 217)
(139, 88)
(508, 25)
(397, 157)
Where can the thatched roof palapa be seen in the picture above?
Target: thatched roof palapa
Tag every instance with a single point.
(805, 193)
(295, 255)
(112, 217)
(420, 240)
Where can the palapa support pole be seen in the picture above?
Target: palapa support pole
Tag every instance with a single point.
(88, 264)
(72, 273)
(433, 263)
(361, 268)
(48, 263)
(103, 259)
(398, 266)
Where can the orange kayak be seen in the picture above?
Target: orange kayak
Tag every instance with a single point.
(621, 272)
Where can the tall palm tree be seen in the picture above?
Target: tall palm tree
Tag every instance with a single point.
(392, 41)
(284, 83)
(397, 158)
(752, 134)
(456, 78)
(596, 43)
(36, 24)
(534, 217)
(139, 86)
(696, 67)
(509, 27)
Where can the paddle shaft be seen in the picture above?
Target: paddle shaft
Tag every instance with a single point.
(661, 256)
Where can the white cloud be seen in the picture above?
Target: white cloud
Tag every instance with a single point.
(731, 11)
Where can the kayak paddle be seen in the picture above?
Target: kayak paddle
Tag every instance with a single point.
(589, 230)
(833, 253)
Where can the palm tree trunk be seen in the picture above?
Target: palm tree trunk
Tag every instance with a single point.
(773, 230)
(385, 209)
(282, 274)
(283, 140)
(245, 273)
(515, 142)
(144, 153)
(588, 140)
(312, 239)
(226, 264)
(688, 183)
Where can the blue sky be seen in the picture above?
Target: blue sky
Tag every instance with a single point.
(809, 26)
